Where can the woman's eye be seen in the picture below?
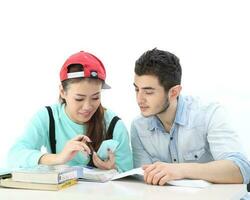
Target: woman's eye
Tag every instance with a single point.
(96, 98)
(79, 99)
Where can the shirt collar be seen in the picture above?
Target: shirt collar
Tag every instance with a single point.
(155, 123)
(181, 112)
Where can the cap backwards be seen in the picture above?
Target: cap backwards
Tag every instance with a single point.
(92, 67)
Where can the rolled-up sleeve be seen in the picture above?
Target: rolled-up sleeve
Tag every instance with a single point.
(224, 142)
(242, 162)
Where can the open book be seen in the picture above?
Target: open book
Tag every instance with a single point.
(109, 175)
(97, 175)
(182, 182)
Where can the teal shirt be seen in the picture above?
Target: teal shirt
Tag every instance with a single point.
(27, 150)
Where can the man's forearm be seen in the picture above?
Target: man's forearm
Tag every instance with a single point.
(222, 171)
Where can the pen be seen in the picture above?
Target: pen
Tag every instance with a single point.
(89, 167)
(91, 147)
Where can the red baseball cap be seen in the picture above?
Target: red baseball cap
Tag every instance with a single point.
(92, 67)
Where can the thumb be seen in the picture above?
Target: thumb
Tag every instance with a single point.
(111, 155)
(145, 167)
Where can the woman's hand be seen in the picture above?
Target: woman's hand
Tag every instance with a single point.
(72, 147)
(107, 164)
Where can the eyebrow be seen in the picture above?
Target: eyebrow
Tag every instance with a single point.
(145, 88)
(83, 95)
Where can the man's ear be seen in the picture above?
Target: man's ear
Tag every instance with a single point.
(62, 92)
(174, 92)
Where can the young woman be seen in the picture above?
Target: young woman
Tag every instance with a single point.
(80, 122)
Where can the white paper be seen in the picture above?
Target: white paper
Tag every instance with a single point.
(106, 175)
(190, 183)
(182, 182)
(98, 175)
(138, 171)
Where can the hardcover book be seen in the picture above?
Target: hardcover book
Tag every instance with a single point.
(47, 174)
(9, 183)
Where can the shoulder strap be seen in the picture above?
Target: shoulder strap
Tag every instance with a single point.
(52, 138)
(111, 127)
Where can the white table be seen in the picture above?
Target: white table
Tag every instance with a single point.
(129, 189)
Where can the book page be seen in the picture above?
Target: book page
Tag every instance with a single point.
(95, 174)
(106, 175)
(182, 182)
(136, 171)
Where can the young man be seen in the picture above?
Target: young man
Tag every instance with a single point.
(180, 137)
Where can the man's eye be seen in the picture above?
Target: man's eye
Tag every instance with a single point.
(96, 98)
(149, 93)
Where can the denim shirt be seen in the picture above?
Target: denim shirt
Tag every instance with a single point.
(200, 133)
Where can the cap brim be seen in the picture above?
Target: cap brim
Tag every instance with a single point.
(105, 86)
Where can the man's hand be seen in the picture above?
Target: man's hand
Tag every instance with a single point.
(160, 173)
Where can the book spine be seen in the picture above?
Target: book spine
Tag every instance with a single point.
(67, 175)
(67, 183)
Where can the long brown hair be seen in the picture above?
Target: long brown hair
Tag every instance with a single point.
(96, 127)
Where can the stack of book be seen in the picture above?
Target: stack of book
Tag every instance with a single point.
(43, 177)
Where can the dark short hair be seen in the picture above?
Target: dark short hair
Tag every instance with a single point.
(162, 64)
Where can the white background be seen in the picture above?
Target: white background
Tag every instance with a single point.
(211, 38)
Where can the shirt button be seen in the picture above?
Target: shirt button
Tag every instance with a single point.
(171, 138)
(196, 156)
(174, 160)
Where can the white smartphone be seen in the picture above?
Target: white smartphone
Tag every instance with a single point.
(103, 149)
